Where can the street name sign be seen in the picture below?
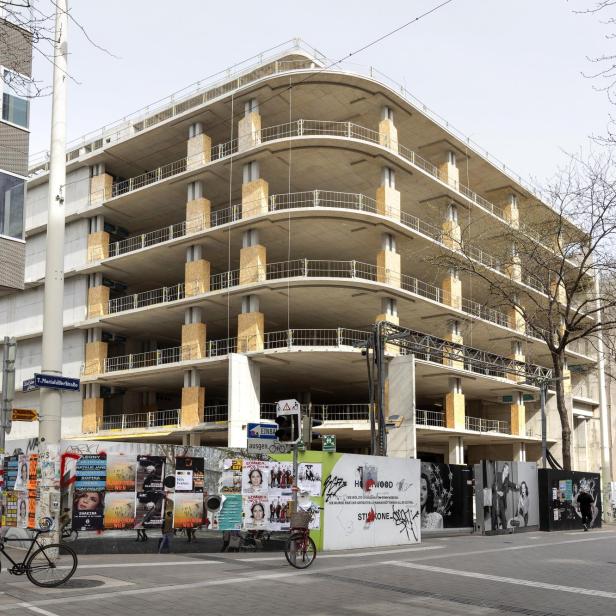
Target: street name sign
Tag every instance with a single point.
(29, 385)
(56, 382)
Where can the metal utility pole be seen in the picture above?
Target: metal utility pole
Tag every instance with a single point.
(606, 463)
(543, 388)
(8, 389)
(51, 399)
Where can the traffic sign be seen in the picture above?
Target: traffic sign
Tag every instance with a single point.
(264, 431)
(287, 407)
(56, 382)
(25, 415)
(28, 385)
(329, 443)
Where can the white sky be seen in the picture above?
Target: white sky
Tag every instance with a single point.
(506, 73)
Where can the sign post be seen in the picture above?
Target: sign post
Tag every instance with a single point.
(292, 407)
(8, 388)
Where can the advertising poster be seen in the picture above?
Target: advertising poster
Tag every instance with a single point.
(507, 496)
(371, 501)
(10, 509)
(121, 472)
(278, 512)
(149, 509)
(255, 506)
(231, 477)
(187, 510)
(560, 491)
(255, 477)
(21, 479)
(22, 510)
(189, 474)
(88, 507)
(280, 477)
(230, 516)
(10, 471)
(309, 478)
(119, 510)
(49, 463)
(32, 507)
(91, 472)
(2, 486)
(445, 496)
(150, 473)
(32, 470)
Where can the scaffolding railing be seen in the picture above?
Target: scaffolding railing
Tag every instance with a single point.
(430, 418)
(129, 421)
(481, 424)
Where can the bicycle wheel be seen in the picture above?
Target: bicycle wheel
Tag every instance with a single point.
(52, 565)
(300, 550)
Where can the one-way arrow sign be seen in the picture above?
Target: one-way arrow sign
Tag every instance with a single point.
(262, 431)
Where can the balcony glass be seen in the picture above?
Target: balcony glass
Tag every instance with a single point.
(11, 206)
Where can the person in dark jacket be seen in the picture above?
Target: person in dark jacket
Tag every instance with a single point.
(586, 502)
(500, 490)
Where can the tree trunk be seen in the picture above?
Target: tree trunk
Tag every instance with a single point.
(558, 361)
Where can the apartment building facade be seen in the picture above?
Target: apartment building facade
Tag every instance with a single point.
(16, 72)
(233, 246)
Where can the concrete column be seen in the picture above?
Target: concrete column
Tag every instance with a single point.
(518, 415)
(193, 400)
(249, 127)
(388, 133)
(193, 334)
(198, 147)
(255, 191)
(516, 319)
(196, 272)
(388, 262)
(513, 268)
(98, 239)
(98, 296)
(567, 379)
(451, 286)
(452, 234)
(389, 312)
(401, 440)
(517, 354)
(558, 292)
(454, 335)
(253, 258)
(448, 170)
(92, 409)
(387, 197)
(243, 397)
(456, 450)
(250, 326)
(511, 211)
(198, 208)
(519, 452)
(101, 184)
(455, 412)
(96, 352)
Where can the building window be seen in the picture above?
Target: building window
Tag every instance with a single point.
(11, 206)
(15, 106)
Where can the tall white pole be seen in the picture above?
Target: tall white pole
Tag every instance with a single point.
(606, 470)
(51, 399)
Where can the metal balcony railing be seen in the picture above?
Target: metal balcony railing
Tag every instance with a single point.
(297, 128)
(430, 418)
(424, 346)
(145, 421)
(479, 424)
(323, 412)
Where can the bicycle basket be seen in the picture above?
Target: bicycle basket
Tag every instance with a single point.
(301, 519)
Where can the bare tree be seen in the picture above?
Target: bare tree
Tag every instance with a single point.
(549, 260)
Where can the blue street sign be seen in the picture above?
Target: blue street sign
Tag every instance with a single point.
(262, 431)
(56, 382)
(28, 385)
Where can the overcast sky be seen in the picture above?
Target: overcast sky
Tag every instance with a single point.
(506, 73)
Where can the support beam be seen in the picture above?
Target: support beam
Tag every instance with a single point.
(255, 192)
(518, 415)
(198, 147)
(193, 400)
(250, 326)
(253, 258)
(198, 208)
(448, 170)
(387, 197)
(454, 335)
(456, 450)
(249, 127)
(402, 440)
(388, 262)
(451, 286)
(196, 272)
(455, 412)
(388, 133)
(101, 184)
(193, 335)
(452, 234)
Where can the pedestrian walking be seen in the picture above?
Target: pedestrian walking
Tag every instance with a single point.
(165, 540)
(586, 502)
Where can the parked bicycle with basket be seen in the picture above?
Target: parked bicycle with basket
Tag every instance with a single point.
(300, 550)
(44, 565)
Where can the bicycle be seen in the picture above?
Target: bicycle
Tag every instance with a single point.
(49, 566)
(300, 550)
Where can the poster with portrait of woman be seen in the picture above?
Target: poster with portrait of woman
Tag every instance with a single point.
(88, 507)
(446, 496)
(255, 477)
(150, 472)
(187, 510)
(254, 508)
(22, 510)
(21, 477)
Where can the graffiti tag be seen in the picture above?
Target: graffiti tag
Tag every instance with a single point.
(404, 519)
(332, 486)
